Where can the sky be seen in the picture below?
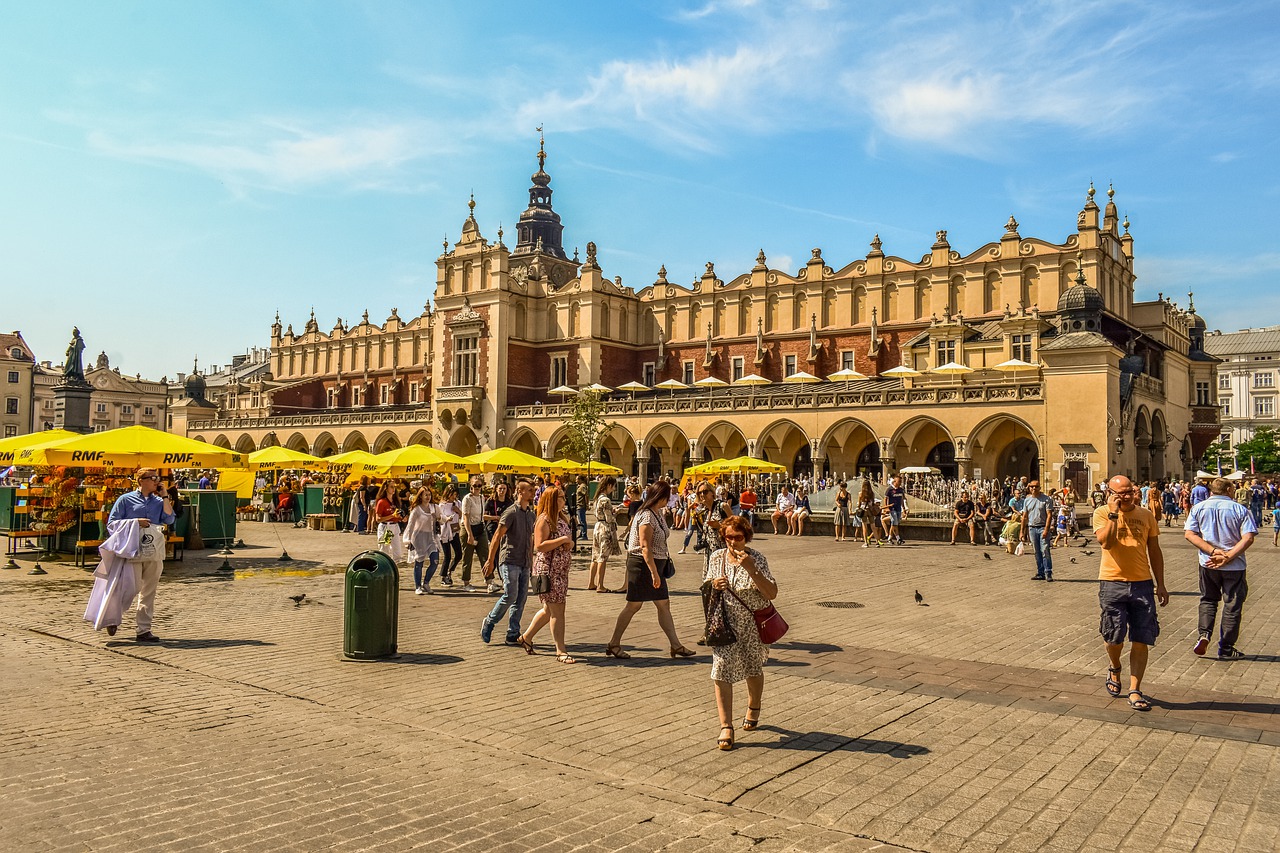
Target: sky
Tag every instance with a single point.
(175, 173)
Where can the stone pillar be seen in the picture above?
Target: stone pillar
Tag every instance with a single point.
(963, 467)
(71, 405)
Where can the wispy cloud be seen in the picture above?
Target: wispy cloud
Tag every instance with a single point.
(280, 154)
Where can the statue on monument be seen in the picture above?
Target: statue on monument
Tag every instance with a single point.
(73, 370)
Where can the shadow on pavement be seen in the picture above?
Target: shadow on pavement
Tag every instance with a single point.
(1215, 705)
(419, 658)
(822, 742)
(183, 643)
(811, 648)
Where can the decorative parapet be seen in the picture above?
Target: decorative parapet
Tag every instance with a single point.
(459, 394)
(420, 415)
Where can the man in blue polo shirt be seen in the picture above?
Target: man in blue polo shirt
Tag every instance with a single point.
(151, 504)
(1222, 530)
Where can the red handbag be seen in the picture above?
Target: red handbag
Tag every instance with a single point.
(769, 622)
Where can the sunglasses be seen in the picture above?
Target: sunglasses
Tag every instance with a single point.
(730, 538)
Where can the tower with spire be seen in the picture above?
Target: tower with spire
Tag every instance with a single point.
(539, 228)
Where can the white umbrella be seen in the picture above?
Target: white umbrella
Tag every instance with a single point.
(846, 376)
(801, 376)
(901, 372)
(1014, 365)
(919, 469)
(1204, 475)
(597, 388)
(671, 385)
(633, 387)
(563, 391)
(752, 380)
(1237, 475)
(952, 368)
(711, 383)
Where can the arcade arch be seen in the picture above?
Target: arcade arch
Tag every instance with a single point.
(244, 444)
(721, 440)
(780, 442)
(1005, 446)
(845, 444)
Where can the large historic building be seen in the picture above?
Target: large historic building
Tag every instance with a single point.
(1247, 386)
(118, 400)
(18, 366)
(1110, 384)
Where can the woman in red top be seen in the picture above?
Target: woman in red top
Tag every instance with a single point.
(388, 518)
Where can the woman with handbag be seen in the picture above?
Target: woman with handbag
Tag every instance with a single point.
(449, 512)
(549, 578)
(742, 586)
(384, 512)
(604, 536)
(420, 536)
(648, 567)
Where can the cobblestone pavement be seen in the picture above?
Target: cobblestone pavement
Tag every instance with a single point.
(976, 723)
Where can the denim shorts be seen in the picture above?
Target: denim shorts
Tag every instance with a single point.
(895, 518)
(1128, 608)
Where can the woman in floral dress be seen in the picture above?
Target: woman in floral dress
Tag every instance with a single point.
(745, 571)
(552, 542)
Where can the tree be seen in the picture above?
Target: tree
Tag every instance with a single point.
(587, 427)
(1263, 450)
(1220, 449)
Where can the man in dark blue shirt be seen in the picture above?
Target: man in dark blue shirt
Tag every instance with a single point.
(895, 498)
(153, 507)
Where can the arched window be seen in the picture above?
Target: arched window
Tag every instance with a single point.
(604, 320)
(923, 293)
(991, 293)
(744, 316)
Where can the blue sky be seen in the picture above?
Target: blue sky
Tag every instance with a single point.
(174, 173)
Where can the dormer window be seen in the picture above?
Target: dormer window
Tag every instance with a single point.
(945, 352)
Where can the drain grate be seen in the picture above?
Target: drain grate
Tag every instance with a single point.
(841, 605)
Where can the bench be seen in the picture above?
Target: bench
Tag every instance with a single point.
(83, 546)
(17, 536)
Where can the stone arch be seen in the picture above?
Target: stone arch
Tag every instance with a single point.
(557, 445)
(298, 442)
(575, 319)
(771, 305)
(991, 292)
(780, 442)
(648, 327)
(269, 440)
(924, 291)
(828, 317)
(526, 441)
(422, 437)
(463, 441)
(623, 332)
(695, 320)
(1005, 446)
(618, 448)
(912, 442)
(744, 316)
(666, 447)
(1159, 446)
(324, 445)
(220, 441)
(521, 322)
(721, 440)
(718, 320)
(1142, 444)
(605, 327)
(386, 440)
(244, 444)
(858, 308)
(889, 308)
(355, 440)
(1029, 287)
(799, 310)
(843, 446)
(956, 294)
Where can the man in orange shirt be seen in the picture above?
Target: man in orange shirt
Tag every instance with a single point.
(1131, 581)
(747, 504)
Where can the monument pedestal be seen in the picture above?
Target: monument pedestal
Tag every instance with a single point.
(71, 406)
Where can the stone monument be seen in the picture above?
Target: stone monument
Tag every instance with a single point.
(71, 394)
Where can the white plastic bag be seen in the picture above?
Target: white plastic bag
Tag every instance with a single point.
(1020, 550)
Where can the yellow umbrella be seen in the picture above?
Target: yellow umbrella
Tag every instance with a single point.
(569, 466)
(132, 447)
(414, 459)
(342, 463)
(508, 460)
(284, 459)
(9, 447)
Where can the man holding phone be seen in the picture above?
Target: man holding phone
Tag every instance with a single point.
(1130, 583)
(153, 508)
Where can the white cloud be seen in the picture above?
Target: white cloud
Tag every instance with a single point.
(279, 154)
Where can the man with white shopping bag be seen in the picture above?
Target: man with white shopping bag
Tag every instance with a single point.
(151, 505)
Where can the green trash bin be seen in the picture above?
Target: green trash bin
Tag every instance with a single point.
(371, 607)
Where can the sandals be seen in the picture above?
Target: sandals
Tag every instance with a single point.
(526, 645)
(682, 652)
(565, 658)
(725, 744)
(1114, 686)
(748, 724)
(616, 652)
(1139, 704)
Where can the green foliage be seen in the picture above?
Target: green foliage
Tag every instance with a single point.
(587, 427)
(1263, 448)
(1218, 450)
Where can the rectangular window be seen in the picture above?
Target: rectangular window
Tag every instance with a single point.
(126, 409)
(739, 367)
(333, 397)
(559, 370)
(945, 353)
(413, 392)
(650, 376)
(102, 407)
(789, 365)
(10, 431)
(386, 394)
(99, 427)
(688, 373)
(11, 405)
(48, 404)
(1226, 408)
(355, 395)
(466, 360)
(148, 411)
(1264, 380)
(846, 360)
(1264, 407)
(1224, 381)
(1203, 394)
(255, 399)
(13, 377)
(1020, 347)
